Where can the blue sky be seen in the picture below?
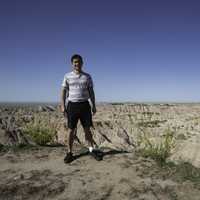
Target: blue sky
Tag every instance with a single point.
(135, 50)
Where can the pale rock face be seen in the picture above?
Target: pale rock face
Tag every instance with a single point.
(11, 134)
(187, 151)
(118, 126)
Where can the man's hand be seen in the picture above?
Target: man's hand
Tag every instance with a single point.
(63, 109)
(94, 110)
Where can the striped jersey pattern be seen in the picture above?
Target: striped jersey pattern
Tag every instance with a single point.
(77, 85)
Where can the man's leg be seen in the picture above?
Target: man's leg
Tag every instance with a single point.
(69, 156)
(89, 137)
(72, 119)
(72, 133)
(86, 121)
(97, 154)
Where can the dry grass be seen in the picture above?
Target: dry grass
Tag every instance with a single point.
(42, 130)
(158, 151)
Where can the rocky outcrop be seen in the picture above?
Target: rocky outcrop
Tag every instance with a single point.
(116, 126)
(10, 134)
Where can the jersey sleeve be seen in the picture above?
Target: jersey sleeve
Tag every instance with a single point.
(65, 83)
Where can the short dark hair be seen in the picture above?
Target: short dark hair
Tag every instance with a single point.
(77, 56)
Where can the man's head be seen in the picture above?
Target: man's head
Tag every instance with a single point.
(77, 62)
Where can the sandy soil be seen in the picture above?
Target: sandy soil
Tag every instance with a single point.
(40, 173)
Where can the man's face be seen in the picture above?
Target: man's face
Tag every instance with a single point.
(77, 64)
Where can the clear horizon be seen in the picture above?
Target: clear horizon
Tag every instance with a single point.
(58, 102)
(135, 51)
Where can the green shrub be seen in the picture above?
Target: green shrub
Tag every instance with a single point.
(42, 131)
(159, 151)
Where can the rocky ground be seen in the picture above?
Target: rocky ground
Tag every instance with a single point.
(39, 172)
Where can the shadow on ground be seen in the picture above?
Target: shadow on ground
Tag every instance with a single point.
(102, 152)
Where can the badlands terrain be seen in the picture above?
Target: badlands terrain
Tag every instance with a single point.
(151, 152)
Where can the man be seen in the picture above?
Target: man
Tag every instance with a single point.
(77, 86)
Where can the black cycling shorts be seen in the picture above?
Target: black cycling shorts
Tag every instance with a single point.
(76, 111)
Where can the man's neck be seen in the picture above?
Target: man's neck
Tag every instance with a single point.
(77, 72)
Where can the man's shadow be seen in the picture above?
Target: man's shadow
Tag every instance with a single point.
(103, 151)
(85, 152)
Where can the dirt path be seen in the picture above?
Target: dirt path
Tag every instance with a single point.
(42, 174)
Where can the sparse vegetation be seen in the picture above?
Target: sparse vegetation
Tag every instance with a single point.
(158, 151)
(150, 113)
(151, 124)
(187, 171)
(183, 171)
(41, 130)
(15, 148)
(117, 103)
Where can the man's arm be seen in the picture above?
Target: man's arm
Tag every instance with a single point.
(63, 99)
(92, 97)
(64, 94)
